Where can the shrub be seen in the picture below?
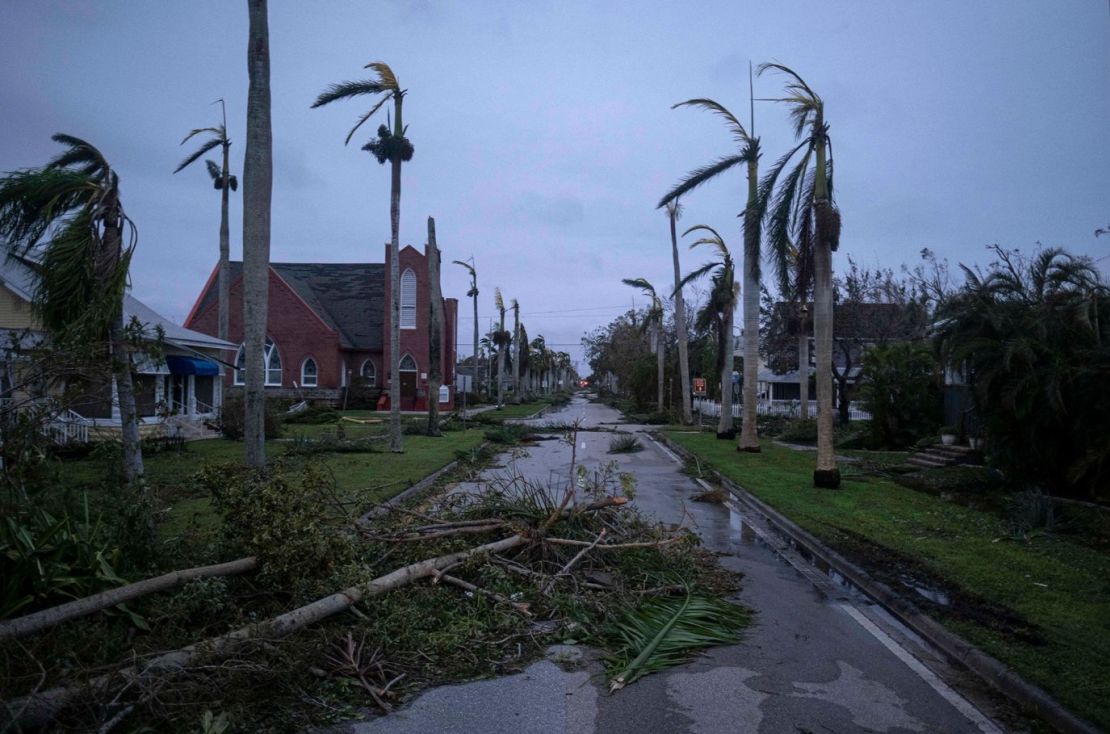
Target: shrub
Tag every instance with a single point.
(282, 522)
(900, 387)
(625, 443)
(232, 412)
(799, 431)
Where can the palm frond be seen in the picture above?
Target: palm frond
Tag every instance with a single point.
(666, 632)
(214, 171)
(385, 75)
(31, 201)
(699, 176)
(694, 275)
(739, 134)
(218, 132)
(198, 153)
(348, 89)
(498, 300)
(364, 118)
(468, 266)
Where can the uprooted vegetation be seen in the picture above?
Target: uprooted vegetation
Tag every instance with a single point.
(461, 586)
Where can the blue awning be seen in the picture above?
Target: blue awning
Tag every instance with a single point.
(180, 365)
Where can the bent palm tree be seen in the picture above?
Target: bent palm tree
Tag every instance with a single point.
(68, 217)
(674, 212)
(394, 147)
(748, 155)
(654, 321)
(810, 215)
(473, 293)
(224, 182)
(718, 314)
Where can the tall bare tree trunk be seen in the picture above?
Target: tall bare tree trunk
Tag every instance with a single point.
(474, 382)
(501, 363)
(516, 353)
(224, 274)
(395, 442)
(659, 354)
(724, 425)
(803, 370)
(749, 432)
(680, 325)
(257, 189)
(826, 475)
(435, 330)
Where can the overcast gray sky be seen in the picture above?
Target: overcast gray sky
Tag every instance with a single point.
(544, 137)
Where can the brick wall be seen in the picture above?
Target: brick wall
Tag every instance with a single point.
(293, 326)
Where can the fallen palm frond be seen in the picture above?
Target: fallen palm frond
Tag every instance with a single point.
(662, 633)
(625, 444)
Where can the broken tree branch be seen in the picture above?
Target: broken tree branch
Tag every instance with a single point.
(614, 546)
(570, 564)
(31, 623)
(467, 586)
(39, 709)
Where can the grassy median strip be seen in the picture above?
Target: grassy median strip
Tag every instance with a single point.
(1039, 605)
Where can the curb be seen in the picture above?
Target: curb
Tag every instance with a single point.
(991, 670)
(419, 488)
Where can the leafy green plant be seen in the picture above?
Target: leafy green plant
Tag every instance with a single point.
(900, 387)
(666, 632)
(47, 559)
(231, 420)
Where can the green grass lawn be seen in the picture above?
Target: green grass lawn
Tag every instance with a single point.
(367, 478)
(511, 412)
(1042, 606)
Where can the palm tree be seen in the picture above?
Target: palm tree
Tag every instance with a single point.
(747, 154)
(68, 217)
(718, 314)
(813, 216)
(258, 181)
(224, 182)
(524, 354)
(674, 213)
(501, 339)
(394, 147)
(473, 293)
(654, 321)
(516, 352)
(540, 358)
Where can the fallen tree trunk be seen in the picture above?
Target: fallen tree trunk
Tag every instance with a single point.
(31, 623)
(39, 709)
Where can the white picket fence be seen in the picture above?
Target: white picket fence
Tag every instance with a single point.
(66, 427)
(791, 408)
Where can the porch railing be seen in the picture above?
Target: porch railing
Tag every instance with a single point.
(66, 427)
(791, 408)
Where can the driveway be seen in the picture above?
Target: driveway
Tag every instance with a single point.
(818, 658)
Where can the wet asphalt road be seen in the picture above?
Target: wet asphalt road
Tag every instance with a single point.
(818, 658)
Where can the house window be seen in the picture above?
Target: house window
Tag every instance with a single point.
(369, 373)
(408, 299)
(308, 372)
(408, 364)
(270, 358)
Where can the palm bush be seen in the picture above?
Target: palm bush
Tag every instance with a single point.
(1033, 335)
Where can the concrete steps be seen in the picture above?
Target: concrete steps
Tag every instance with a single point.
(939, 456)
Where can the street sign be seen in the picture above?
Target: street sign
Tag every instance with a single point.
(699, 386)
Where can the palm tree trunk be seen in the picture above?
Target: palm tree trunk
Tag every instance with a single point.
(516, 354)
(803, 372)
(257, 189)
(474, 382)
(395, 442)
(224, 275)
(749, 433)
(827, 475)
(724, 425)
(501, 364)
(435, 330)
(680, 330)
(659, 354)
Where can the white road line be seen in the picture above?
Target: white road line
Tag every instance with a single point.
(934, 681)
(945, 691)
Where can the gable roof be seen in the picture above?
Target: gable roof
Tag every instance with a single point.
(16, 274)
(348, 297)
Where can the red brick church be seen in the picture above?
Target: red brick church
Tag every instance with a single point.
(327, 330)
